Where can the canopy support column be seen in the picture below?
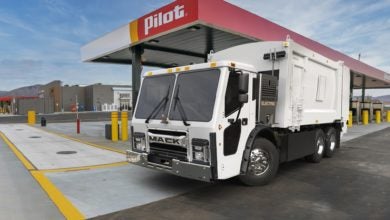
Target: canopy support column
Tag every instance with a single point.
(351, 88)
(364, 88)
(136, 52)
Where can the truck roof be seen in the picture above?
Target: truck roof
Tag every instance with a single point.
(208, 65)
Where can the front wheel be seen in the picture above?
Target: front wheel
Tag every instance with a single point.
(263, 163)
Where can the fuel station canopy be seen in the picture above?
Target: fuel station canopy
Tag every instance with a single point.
(185, 31)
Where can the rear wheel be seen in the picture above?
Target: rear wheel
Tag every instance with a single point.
(319, 148)
(263, 163)
(331, 142)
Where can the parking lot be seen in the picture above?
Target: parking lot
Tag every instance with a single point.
(96, 182)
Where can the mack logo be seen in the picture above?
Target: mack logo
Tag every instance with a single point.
(164, 140)
(161, 18)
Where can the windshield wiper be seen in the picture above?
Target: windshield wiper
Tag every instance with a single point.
(180, 107)
(162, 103)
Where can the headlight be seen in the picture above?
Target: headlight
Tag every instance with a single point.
(139, 143)
(200, 150)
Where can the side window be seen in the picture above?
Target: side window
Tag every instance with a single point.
(321, 86)
(231, 98)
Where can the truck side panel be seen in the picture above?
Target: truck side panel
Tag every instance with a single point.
(321, 92)
(314, 90)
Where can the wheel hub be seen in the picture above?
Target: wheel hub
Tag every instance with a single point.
(332, 142)
(320, 145)
(259, 162)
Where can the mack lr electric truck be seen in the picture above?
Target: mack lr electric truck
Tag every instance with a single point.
(248, 109)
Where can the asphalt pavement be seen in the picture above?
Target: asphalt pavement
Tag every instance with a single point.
(354, 184)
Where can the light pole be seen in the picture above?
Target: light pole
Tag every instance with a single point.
(77, 116)
(42, 96)
(13, 106)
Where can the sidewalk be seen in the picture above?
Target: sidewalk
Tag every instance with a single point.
(48, 151)
(92, 132)
(361, 130)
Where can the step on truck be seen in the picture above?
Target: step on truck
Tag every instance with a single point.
(248, 109)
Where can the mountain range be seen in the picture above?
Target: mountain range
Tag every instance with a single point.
(23, 91)
(384, 98)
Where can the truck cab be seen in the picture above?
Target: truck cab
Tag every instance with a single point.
(186, 114)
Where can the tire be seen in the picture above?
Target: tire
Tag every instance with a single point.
(263, 163)
(319, 147)
(331, 142)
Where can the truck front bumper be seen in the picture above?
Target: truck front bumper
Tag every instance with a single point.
(179, 168)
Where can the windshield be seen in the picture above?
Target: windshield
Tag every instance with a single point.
(155, 97)
(195, 92)
(193, 99)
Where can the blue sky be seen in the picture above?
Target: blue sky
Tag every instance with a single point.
(40, 40)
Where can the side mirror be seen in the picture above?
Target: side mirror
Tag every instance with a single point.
(243, 82)
(243, 98)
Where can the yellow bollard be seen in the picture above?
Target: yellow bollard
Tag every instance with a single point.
(31, 117)
(114, 126)
(388, 116)
(365, 117)
(378, 116)
(124, 124)
(350, 119)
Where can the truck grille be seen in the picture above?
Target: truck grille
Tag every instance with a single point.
(169, 151)
(162, 153)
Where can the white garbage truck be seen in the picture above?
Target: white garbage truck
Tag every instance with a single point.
(245, 111)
